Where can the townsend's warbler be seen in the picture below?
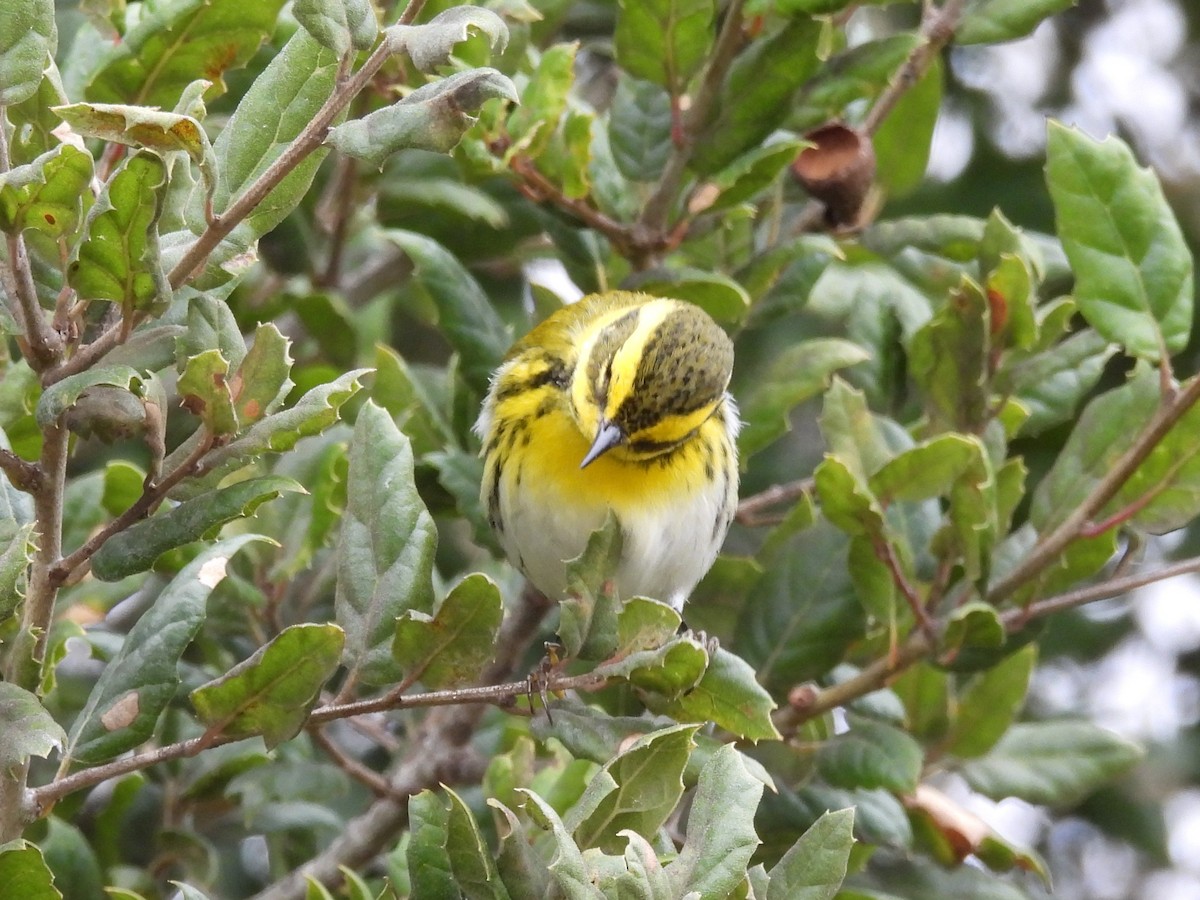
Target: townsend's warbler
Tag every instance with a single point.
(615, 402)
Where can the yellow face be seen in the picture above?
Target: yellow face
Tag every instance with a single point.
(647, 377)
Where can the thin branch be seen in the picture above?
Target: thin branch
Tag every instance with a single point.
(308, 140)
(751, 508)
(45, 345)
(375, 783)
(808, 704)
(938, 25)
(1015, 619)
(152, 495)
(1050, 545)
(87, 354)
(630, 242)
(24, 476)
(658, 208)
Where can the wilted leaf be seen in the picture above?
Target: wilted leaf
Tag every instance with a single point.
(433, 117)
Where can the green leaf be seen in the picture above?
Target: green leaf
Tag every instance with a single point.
(63, 395)
(1051, 384)
(672, 668)
(451, 647)
(160, 56)
(903, 140)
(973, 626)
(262, 381)
(119, 259)
(996, 21)
(871, 755)
(636, 790)
(26, 728)
(46, 194)
(588, 616)
(729, 696)
(428, 861)
(23, 871)
(846, 501)
(433, 117)
(1165, 488)
(1055, 763)
(136, 548)
(858, 73)
(664, 41)
(338, 24)
(751, 173)
(28, 42)
(273, 691)
(282, 101)
(140, 680)
(313, 413)
(211, 325)
(720, 831)
(204, 391)
(948, 358)
(802, 616)
(757, 93)
(797, 374)
(14, 565)
(533, 124)
(988, 706)
(385, 555)
(926, 470)
(815, 865)
(32, 121)
(1133, 272)
(1107, 428)
(639, 128)
(568, 868)
(432, 44)
(467, 318)
(718, 295)
(463, 851)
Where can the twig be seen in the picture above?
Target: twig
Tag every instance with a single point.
(308, 140)
(1050, 545)
(89, 353)
(938, 25)
(376, 783)
(658, 208)
(751, 508)
(630, 241)
(434, 755)
(24, 476)
(45, 345)
(151, 496)
(813, 703)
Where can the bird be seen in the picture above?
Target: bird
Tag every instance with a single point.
(618, 402)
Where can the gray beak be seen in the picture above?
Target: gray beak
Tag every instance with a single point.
(608, 436)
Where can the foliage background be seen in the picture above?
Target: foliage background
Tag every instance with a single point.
(352, 278)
